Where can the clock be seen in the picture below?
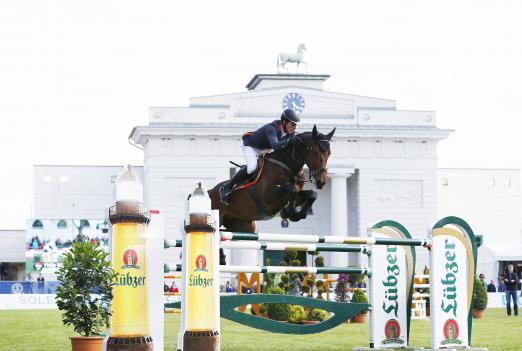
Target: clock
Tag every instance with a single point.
(294, 101)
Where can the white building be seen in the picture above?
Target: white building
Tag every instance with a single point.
(489, 200)
(383, 166)
(383, 163)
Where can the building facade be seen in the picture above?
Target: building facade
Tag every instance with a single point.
(383, 163)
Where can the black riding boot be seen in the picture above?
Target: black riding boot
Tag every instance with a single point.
(226, 189)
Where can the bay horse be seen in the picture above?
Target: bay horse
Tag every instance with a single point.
(279, 188)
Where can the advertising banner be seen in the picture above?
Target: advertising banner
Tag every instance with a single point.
(390, 288)
(453, 261)
(27, 302)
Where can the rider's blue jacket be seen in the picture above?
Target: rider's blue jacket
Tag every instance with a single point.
(269, 136)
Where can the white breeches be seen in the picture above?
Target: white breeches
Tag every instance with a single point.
(250, 154)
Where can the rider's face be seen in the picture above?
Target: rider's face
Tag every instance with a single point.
(289, 127)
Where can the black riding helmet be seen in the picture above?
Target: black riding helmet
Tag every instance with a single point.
(290, 115)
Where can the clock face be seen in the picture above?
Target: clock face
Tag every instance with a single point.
(294, 101)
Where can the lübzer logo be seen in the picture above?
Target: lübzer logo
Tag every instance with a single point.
(451, 332)
(392, 331)
(130, 259)
(201, 263)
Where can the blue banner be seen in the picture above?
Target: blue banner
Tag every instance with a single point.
(10, 287)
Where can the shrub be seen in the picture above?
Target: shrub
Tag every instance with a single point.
(277, 311)
(360, 297)
(295, 263)
(319, 261)
(357, 278)
(320, 294)
(480, 295)
(319, 315)
(268, 277)
(297, 314)
(290, 255)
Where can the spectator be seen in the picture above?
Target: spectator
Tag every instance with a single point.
(229, 288)
(41, 283)
(174, 288)
(491, 287)
(29, 277)
(511, 281)
(501, 285)
(165, 288)
(481, 277)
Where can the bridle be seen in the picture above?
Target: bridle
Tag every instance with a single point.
(313, 172)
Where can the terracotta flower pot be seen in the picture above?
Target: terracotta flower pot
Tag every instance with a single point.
(310, 322)
(359, 318)
(93, 343)
(478, 313)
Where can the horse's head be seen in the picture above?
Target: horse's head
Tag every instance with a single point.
(317, 151)
(301, 47)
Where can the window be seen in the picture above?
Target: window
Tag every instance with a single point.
(37, 224)
(491, 181)
(507, 182)
(61, 224)
(113, 178)
(47, 179)
(64, 179)
(445, 182)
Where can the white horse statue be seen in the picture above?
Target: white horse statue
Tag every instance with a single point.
(297, 57)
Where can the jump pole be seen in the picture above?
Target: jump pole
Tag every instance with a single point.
(254, 245)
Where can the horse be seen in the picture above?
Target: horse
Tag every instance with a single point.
(279, 187)
(297, 57)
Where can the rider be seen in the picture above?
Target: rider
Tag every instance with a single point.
(269, 136)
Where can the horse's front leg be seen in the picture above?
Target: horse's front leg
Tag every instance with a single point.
(303, 203)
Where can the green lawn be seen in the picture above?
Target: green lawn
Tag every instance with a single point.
(43, 331)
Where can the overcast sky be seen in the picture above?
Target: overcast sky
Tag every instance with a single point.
(76, 76)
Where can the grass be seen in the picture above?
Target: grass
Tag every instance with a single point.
(42, 330)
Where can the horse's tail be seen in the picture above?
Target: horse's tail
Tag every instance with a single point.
(278, 57)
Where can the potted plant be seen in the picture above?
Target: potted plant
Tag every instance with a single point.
(360, 297)
(85, 293)
(480, 296)
(277, 311)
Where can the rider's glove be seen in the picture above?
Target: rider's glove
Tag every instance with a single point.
(295, 140)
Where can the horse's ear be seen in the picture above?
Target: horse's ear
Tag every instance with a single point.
(330, 135)
(314, 132)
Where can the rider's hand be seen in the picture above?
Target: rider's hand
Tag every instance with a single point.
(295, 140)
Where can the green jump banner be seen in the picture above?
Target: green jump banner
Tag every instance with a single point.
(391, 286)
(452, 279)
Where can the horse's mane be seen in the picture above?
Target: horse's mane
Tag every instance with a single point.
(307, 137)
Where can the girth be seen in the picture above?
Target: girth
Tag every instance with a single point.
(261, 211)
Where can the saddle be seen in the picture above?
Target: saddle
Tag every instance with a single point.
(254, 177)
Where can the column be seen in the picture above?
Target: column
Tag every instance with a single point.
(339, 211)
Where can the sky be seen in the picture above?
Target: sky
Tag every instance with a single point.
(77, 76)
